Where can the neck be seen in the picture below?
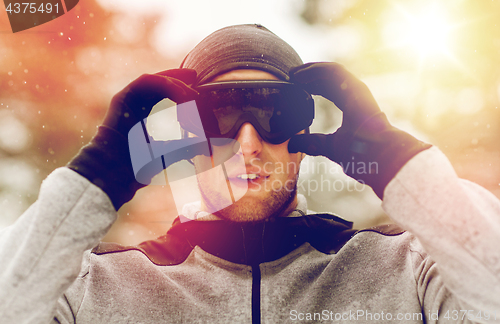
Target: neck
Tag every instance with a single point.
(230, 212)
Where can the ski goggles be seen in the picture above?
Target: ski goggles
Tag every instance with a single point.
(276, 109)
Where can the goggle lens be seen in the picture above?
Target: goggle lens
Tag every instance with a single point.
(276, 109)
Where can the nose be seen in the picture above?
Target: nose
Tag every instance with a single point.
(249, 139)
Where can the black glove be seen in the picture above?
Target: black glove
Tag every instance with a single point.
(377, 149)
(106, 160)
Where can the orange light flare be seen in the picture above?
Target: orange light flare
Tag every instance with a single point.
(424, 31)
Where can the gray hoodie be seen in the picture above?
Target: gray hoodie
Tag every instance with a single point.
(444, 268)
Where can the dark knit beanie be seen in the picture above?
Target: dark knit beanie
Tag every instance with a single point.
(241, 47)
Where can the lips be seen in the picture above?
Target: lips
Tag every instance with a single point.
(251, 175)
(248, 176)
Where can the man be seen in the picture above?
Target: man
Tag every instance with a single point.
(272, 192)
(262, 259)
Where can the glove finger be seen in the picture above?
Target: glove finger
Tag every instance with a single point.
(177, 90)
(294, 69)
(311, 72)
(325, 79)
(158, 86)
(135, 101)
(146, 91)
(188, 76)
(314, 74)
(335, 83)
(335, 78)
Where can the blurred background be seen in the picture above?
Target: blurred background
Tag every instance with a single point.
(433, 66)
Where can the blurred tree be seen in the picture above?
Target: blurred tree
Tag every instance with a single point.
(57, 82)
(456, 96)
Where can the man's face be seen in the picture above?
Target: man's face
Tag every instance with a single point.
(262, 175)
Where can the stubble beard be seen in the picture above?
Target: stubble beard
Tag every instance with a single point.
(273, 205)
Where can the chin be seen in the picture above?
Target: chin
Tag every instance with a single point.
(245, 210)
(254, 209)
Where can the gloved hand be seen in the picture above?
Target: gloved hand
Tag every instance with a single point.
(106, 160)
(367, 146)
